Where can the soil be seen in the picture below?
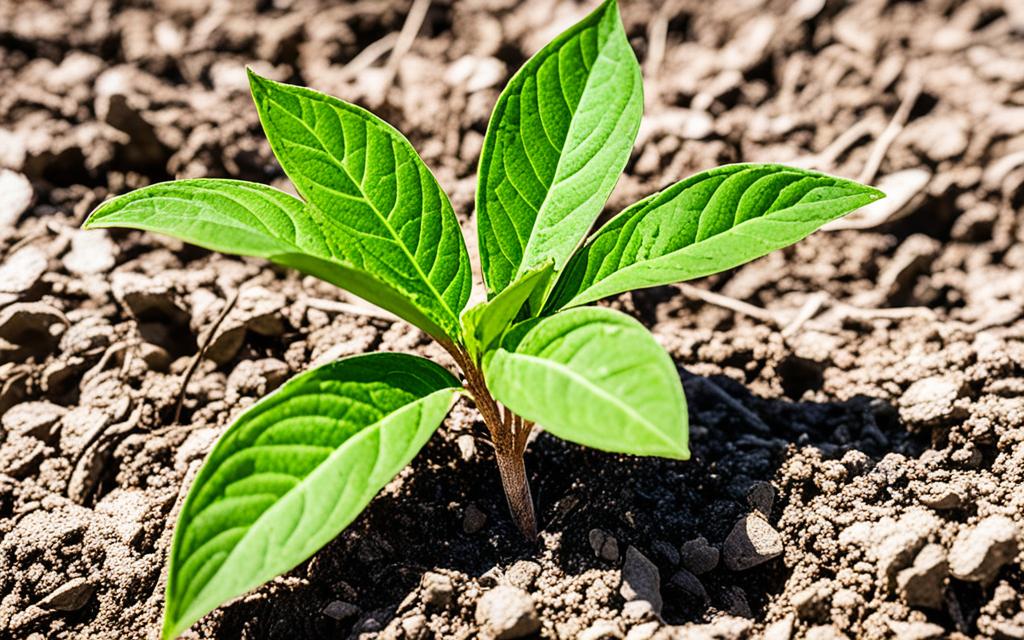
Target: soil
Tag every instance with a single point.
(856, 401)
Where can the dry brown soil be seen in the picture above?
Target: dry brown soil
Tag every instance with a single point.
(856, 401)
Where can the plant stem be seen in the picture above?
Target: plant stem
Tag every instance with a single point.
(517, 491)
(509, 434)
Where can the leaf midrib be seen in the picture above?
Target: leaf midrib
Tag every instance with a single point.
(396, 239)
(561, 156)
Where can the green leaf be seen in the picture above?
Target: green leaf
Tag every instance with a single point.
(710, 222)
(558, 139)
(596, 377)
(383, 211)
(294, 470)
(251, 219)
(484, 324)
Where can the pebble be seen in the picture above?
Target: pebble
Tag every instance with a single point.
(20, 272)
(473, 519)
(978, 553)
(31, 323)
(341, 610)
(780, 629)
(761, 497)
(507, 612)
(437, 589)
(698, 557)
(148, 298)
(467, 447)
(91, 252)
(690, 585)
(15, 197)
(415, 627)
(34, 419)
(70, 596)
(605, 545)
(522, 574)
(751, 542)
(922, 583)
(930, 401)
(641, 580)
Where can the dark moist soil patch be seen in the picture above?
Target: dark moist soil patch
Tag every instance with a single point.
(856, 401)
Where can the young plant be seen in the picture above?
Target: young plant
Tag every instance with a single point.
(296, 468)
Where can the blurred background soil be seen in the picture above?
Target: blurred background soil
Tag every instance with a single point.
(856, 401)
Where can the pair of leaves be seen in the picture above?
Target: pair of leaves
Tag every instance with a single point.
(374, 220)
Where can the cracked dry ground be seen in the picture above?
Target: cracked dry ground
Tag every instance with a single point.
(856, 401)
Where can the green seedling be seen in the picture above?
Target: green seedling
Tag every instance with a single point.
(296, 468)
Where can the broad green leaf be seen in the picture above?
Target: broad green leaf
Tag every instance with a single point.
(558, 139)
(710, 222)
(251, 219)
(383, 211)
(294, 470)
(596, 377)
(484, 324)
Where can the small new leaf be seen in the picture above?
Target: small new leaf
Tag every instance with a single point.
(294, 470)
(708, 223)
(596, 377)
(484, 324)
(383, 211)
(558, 139)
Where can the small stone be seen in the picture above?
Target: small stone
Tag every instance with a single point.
(751, 542)
(155, 357)
(930, 401)
(922, 584)
(507, 612)
(20, 272)
(437, 589)
(91, 252)
(415, 627)
(780, 629)
(522, 574)
(978, 553)
(71, 596)
(473, 519)
(698, 557)
(665, 553)
(690, 585)
(15, 197)
(916, 630)
(341, 610)
(467, 447)
(34, 324)
(147, 298)
(736, 602)
(601, 630)
(605, 545)
(641, 580)
(35, 419)
(761, 497)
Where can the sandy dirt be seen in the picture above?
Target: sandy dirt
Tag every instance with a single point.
(856, 401)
